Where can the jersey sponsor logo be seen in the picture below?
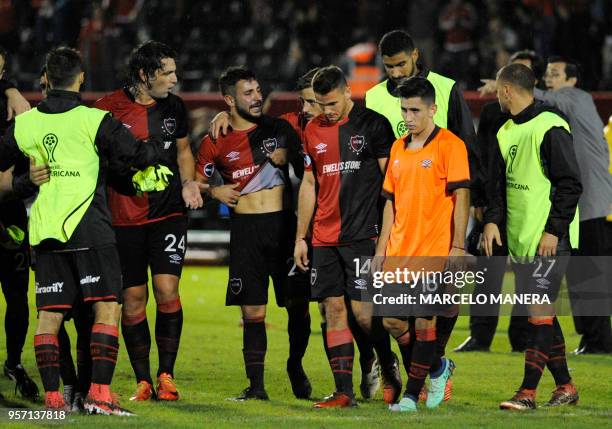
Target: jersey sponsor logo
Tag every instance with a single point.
(170, 125)
(360, 284)
(426, 163)
(341, 167)
(233, 156)
(270, 145)
(401, 128)
(235, 286)
(357, 143)
(209, 169)
(313, 276)
(244, 172)
(53, 288)
(89, 280)
(321, 148)
(175, 258)
(512, 156)
(50, 142)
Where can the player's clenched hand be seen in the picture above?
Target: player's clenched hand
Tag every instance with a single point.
(39, 174)
(548, 245)
(490, 233)
(192, 194)
(278, 157)
(219, 125)
(300, 254)
(487, 88)
(16, 103)
(227, 194)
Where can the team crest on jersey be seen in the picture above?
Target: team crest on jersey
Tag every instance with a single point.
(313, 276)
(209, 169)
(357, 143)
(235, 286)
(270, 145)
(426, 163)
(170, 125)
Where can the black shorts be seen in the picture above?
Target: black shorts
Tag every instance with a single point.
(261, 246)
(543, 276)
(333, 271)
(160, 245)
(63, 278)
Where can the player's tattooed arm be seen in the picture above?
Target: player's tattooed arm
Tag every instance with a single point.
(306, 205)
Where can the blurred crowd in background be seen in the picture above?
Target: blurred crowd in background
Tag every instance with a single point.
(281, 39)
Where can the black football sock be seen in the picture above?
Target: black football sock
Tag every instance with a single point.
(381, 340)
(137, 339)
(67, 370)
(46, 348)
(341, 355)
(405, 347)
(298, 328)
(104, 351)
(422, 355)
(255, 344)
(537, 352)
(444, 329)
(168, 327)
(366, 349)
(557, 364)
(324, 334)
(83, 320)
(16, 318)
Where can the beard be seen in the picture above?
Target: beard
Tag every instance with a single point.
(247, 116)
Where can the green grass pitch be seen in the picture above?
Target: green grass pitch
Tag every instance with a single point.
(209, 369)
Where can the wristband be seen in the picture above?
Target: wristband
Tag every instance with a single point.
(457, 247)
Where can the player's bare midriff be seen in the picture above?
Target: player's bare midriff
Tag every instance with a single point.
(264, 201)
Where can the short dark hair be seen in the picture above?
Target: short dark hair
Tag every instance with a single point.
(518, 75)
(230, 77)
(572, 68)
(418, 87)
(394, 42)
(147, 57)
(63, 65)
(305, 81)
(537, 62)
(326, 79)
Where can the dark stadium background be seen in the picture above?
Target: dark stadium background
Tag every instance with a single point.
(282, 39)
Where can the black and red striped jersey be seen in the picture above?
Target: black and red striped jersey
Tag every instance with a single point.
(344, 159)
(160, 123)
(241, 156)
